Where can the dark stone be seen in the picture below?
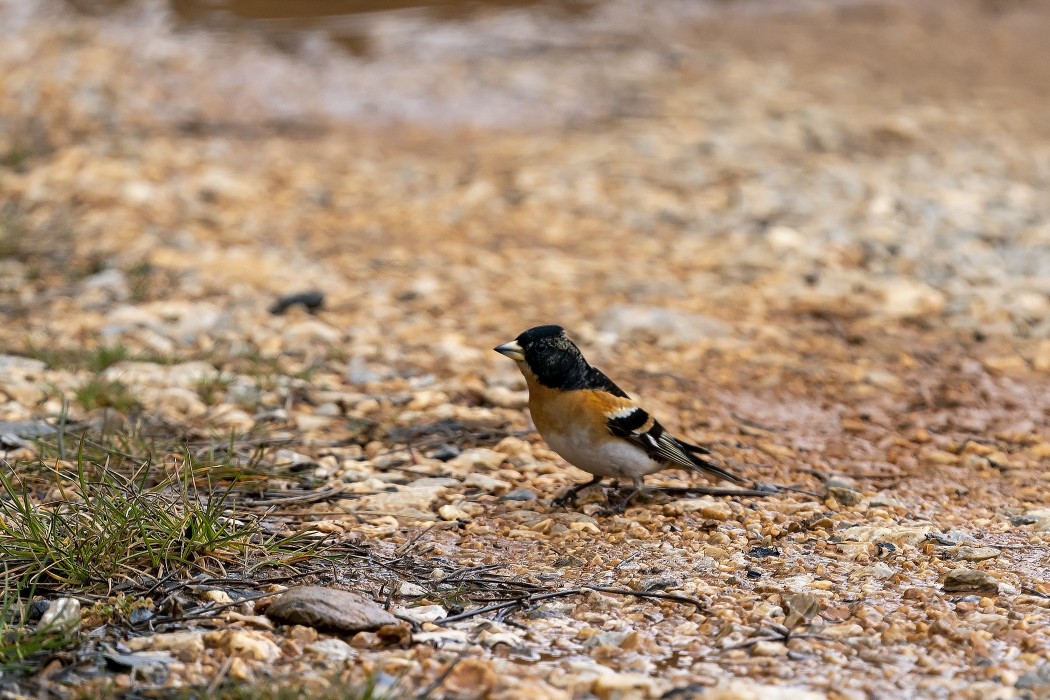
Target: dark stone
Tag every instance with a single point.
(140, 615)
(445, 452)
(1038, 678)
(884, 548)
(37, 609)
(519, 495)
(763, 552)
(311, 300)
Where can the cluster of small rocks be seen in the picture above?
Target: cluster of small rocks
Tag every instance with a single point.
(815, 264)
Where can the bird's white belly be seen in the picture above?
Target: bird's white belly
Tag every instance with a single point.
(613, 458)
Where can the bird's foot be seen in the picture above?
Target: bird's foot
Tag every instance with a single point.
(564, 499)
(621, 507)
(617, 509)
(570, 495)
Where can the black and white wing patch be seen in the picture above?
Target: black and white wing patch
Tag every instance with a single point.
(634, 423)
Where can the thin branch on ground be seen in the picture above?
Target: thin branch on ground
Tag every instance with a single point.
(532, 599)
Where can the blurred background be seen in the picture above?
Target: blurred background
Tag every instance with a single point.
(676, 170)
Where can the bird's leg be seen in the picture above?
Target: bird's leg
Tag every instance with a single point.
(639, 486)
(570, 495)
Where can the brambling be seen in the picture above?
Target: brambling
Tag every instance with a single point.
(592, 423)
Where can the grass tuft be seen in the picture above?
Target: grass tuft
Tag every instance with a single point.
(99, 392)
(212, 390)
(94, 360)
(102, 526)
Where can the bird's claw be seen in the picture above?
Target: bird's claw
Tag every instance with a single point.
(617, 509)
(564, 500)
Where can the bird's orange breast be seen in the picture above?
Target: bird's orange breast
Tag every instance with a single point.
(583, 410)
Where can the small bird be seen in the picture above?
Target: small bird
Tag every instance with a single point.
(592, 423)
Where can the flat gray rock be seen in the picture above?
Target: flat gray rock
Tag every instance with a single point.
(26, 428)
(970, 580)
(328, 608)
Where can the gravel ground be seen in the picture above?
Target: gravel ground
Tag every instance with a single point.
(814, 238)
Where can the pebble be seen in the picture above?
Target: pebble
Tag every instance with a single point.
(843, 495)
(177, 321)
(442, 637)
(444, 452)
(311, 301)
(706, 507)
(290, 459)
(471, 677)
(141, 661)
(418, 496)
(743, 689)
(763, 552)
(331, 648)
(519, 495)
(62, 614)
(903, 534)
(174, 403)
(611, 685)
(968, 553)
(252, 645)
(411, 590)
(217, 596)
(16, 367)
(185, 375)
(328, 608)
(800, 608)
(970, 580)
(879, 570)
(26, 429)
(764, 648)
(477, 457)
(485, 483)
(907, 299)
(451, 512)
(186, 646)
(1036, 679)
(425, 613)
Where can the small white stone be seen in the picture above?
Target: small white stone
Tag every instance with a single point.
(485, 483)
(768, 648)
(425, 613)
(451, 512)
(331, 648)
(63, 613)
(410, 589)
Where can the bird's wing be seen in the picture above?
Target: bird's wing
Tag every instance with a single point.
(634, 424)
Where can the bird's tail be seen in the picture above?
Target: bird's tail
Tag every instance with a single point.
(707, 466)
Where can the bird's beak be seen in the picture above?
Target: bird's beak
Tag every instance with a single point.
(511, 350)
